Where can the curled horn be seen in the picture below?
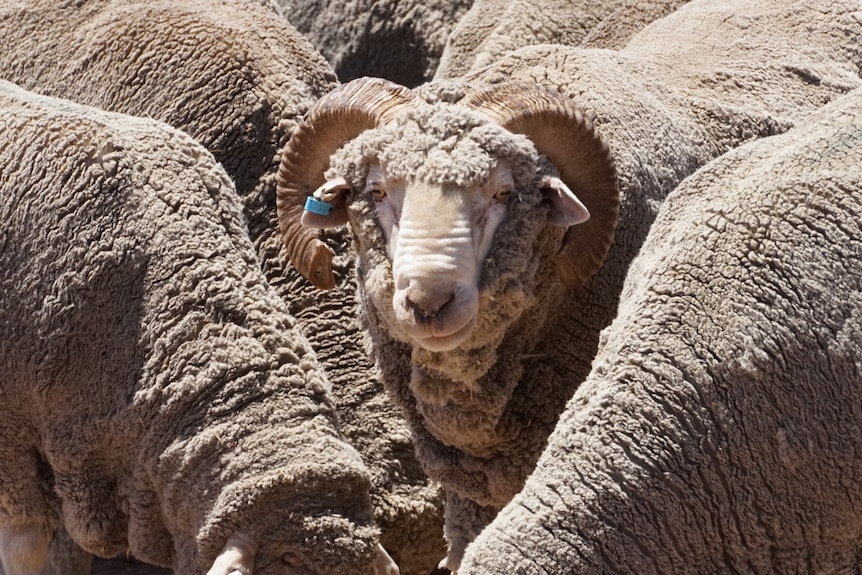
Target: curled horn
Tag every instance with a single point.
(335, 119)
(560, 130)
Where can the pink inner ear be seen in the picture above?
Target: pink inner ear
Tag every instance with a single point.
(566, 208)
(333, 192)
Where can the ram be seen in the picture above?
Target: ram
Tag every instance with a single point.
(238, 78)
(719, 428)
(459, 194)
(158, 397)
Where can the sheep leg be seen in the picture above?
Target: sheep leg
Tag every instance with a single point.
(66, 557)
(24, 547)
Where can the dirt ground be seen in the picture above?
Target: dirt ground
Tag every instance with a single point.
(123, 567)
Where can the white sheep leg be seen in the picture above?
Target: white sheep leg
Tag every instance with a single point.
(24, 547)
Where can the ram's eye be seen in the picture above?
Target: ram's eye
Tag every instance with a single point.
(377, 193)
(502, 195)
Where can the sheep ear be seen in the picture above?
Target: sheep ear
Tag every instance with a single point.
(566, 208)
(326, 207)
(237, 557)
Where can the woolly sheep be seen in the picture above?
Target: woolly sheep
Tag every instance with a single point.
(238, 78)
(620, 26)
(719, 428)
(666, 104)
(395, 39)
(158, 397)
(491, 28)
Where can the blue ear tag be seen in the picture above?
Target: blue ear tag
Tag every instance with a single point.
(316, 206)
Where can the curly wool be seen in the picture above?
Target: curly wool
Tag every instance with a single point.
(238, 77)
(395, 39)
(492, 28)
(618, 28)
(159, 396)
(436, 142)
(667, 104)
(719, 428)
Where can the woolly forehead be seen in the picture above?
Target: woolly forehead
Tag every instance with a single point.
(441, 144)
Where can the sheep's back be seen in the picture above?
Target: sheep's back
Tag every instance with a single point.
(719, 425)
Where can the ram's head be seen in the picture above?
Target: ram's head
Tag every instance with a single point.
(440, 177)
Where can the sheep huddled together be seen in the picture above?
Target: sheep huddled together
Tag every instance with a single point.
(159, 398)
(179, 392)
(484, 211)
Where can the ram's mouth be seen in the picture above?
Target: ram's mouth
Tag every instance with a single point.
(435, 341)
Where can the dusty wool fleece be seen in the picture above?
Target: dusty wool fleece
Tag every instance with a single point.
(617, 28)
(237, 77)
(400, 40)
(667, 104)
(719, 430)
(492, 28)
(157, 394)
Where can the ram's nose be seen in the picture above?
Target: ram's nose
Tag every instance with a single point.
(427, 300)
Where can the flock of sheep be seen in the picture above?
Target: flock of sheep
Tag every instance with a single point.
(392, 287)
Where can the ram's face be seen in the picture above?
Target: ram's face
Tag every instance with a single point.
(440, 173)
(436, 237)
(438, 194)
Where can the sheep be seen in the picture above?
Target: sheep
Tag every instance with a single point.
(617, 28)
(484, 395)
(491, 28)
(158, 396)
(394, 39)
(237, 77)
(719, 428)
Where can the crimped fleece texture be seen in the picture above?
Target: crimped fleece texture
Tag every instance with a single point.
(157, 394)
(492, 28)
(719, 428)
(238, 77)
(620, 26)
(400, 40)
(688, 88)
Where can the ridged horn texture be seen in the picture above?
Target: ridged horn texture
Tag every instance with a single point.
(560, 130)
(335, 119)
